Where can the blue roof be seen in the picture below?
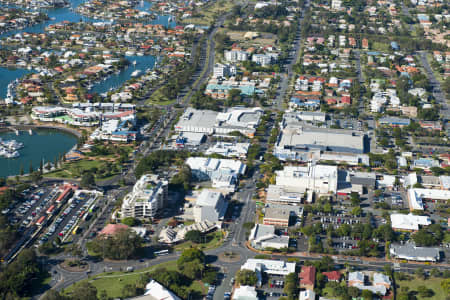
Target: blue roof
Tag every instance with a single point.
(124, 132)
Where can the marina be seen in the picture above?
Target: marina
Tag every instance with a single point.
(43, 145)
(9, 148)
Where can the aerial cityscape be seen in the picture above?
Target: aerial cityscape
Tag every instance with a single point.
(224, 149)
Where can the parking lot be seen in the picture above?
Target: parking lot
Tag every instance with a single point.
(78, 209)
(272, 287)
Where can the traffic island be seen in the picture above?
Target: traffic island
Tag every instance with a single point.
(74, 265)
(229, 256)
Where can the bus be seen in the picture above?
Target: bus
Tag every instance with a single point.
(161, 252)
(50, 209)
(41, 221)
(75, 230)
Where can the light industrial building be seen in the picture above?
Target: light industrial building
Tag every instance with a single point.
(416, 196)
(271, 267)
(409, 222)
(299, 141)
(245, 292)
(238, 150)
(170, 235)
(147, 198)
(284, 195)
(263, 236)
(210, 206)
(410, 251)
(223, 173)
(237, 119)
(320, 179)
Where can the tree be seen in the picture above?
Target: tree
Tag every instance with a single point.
(103, 295)
(367, 295)
(194, 236)
(130, 221)
(291, 286)
(193, 269)
(87, 180)
(357, 211)
(246, 277)
(84, 291)
(191, 254)
(424, 292)
(36, 176)
(354, 197)
(353, 292)
(53, 295)
(124, 244)
(445, 285)
(128, 291)
(419, 272)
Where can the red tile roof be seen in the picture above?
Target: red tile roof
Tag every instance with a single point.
(333, 275)
(307, 275)
(112, 229)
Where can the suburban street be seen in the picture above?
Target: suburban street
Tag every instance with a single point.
(435, 84)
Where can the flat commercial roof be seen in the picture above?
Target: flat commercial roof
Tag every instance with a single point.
(277, 213)
(198, 118)
(320, 138)
(208, 198)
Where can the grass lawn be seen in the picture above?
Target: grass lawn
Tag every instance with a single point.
(74, 169)
(113, 282)
(158, 99)
(215, 240)
(377, 46)
(431, 283)
(207, 15)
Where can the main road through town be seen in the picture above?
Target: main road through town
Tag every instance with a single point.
(235, 241)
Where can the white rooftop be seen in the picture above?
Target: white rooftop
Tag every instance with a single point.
(208, 198)
(409, 222)
(159, 292)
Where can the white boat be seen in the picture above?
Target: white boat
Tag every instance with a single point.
(136, 73)
(12, 145)
(30, 131)
(140, 54)
(130, 53)
(13, 154)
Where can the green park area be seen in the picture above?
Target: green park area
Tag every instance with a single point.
(208, 241)
(158, 98)
(103, 161)
(102, 169)
(208, 15)
(188, 276)
(420, 288)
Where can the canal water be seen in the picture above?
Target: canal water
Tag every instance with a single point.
(9, 75)
(43, 144)
(69, 14)
(115, 81)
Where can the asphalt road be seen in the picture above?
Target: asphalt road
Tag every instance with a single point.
(437, 92)
(285, 79)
